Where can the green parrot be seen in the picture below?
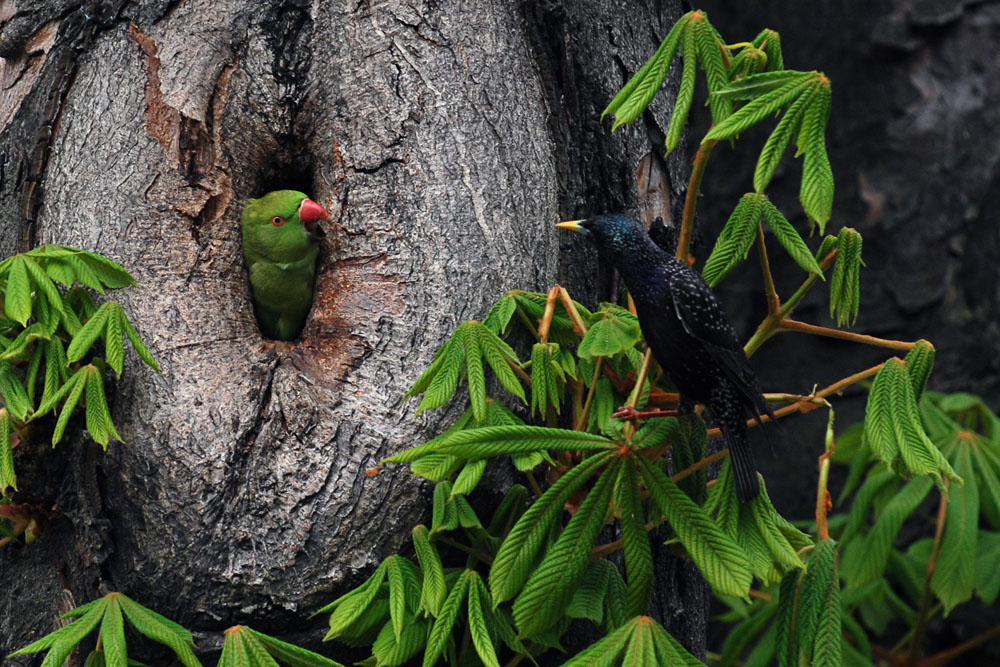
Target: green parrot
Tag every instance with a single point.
(280, 244)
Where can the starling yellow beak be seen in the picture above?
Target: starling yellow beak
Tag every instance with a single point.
(573, 226)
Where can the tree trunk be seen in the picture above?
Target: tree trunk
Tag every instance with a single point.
(444, 138)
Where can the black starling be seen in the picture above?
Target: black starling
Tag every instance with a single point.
(688, 332)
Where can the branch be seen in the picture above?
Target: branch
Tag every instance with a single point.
(691, 200)
(795, 325)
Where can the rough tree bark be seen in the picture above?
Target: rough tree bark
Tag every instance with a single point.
(445, 139)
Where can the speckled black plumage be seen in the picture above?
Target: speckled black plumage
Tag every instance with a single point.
(689, 334)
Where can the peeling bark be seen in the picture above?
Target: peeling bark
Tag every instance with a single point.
(444, 138)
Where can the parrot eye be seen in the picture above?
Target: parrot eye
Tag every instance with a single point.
(277, 221)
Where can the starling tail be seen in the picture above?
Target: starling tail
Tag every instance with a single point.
(741, 458)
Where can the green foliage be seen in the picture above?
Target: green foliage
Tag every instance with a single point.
(245, 647)
(740, 231)
(893, 428)
(845, 289)
(805, 97)
(641, 641)
(47, 342)
(700, 45)
(110, 613)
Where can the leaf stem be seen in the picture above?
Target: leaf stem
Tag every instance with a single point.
(773, 302)
(585, 413)
(767, 327)
(917, 640)
(519, 371)
(691, 200)
(823, 502)
(795, 325)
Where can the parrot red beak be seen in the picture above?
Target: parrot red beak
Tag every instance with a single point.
(309, 213)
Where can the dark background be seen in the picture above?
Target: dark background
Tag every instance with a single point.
(913, 139)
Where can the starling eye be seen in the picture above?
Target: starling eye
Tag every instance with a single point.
(277, 221)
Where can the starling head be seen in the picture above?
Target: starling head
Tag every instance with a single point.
(619, 238)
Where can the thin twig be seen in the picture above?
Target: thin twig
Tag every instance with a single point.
(795, 325)
(691, 199)
(945, 656)
(585, 413)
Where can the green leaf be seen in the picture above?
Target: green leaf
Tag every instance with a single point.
(766, 104)
(816, 193)
(845, 289)
(114, 344)
(987, 556)
(467, 480)
(433, 591)
(45, 286)
(444, 510)
(866, 560)
(91, 331)
(441, 630)
(160, 629)
(919, 363)
(955, 574)
(397, 593)
(643, 642)
(518, 552)
(736, 238)
(893, 428)
(390, 652)
(113, 635)
(478, 597)
(500, 314)
(61, 642)
(710, 46)
(615, 331)
(790, 239)
(588, 598)
(544, 378)
(635, 542)
(138, 346)
(786, 640)
(766, 519)
(819, 611)
(682, 104)
(8, 480)
(439, 382)
(348, 608)
(551, 585)
(73, 389)
(99, 423)
(288, 653)
(776, 144)
(14, 395)
(636, 95)
(757, 85)
(720, 560)
(490, 441)
(17, 294)
(474, 374)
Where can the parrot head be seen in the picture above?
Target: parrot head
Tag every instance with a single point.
(283, 225)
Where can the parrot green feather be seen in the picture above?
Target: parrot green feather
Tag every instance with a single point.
(281, 245)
